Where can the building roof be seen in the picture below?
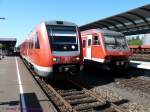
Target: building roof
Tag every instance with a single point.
(9, 41)
(136, 21)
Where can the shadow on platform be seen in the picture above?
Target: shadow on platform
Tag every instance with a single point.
(31, 102)
(10, 103)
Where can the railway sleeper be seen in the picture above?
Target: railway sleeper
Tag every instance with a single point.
(71, 93)
(139, 84)
(88, 110)
(62, 105)
(65, 91)
(145, 90)
(82, 100)
(89, 106)
(111, 110)
(138, 87)
(72, 97)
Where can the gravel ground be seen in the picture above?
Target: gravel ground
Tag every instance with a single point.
(146, 75)
(107, 87)
(141, 57)
(130, 99)
(145, 78)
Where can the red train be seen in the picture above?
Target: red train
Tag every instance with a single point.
(53, 47)
(140, 48)
(109, 48)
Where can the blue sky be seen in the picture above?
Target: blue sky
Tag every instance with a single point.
(23, 15)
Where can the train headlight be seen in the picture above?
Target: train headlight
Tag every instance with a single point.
(56, 59)
(73, 47)
(77, 58)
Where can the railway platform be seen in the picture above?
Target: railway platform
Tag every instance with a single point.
(18, 89)
(140, 64)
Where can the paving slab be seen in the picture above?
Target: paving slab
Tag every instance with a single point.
(24, 95)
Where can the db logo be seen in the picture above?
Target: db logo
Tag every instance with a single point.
(121, 53)
(66, 60)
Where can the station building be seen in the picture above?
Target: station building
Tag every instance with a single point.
(7, 46)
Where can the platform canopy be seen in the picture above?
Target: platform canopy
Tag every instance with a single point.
(9, 42)
(136, 21)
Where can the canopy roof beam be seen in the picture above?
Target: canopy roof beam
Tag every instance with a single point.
(139, 16)
(108, 22)
(115, 20)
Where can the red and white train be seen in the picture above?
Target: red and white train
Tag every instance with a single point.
(109, 48)
(53, 47)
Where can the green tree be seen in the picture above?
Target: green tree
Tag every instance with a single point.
(1, 46)
(4, 46)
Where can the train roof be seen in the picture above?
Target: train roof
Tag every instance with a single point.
(66, 23)
(104, 31)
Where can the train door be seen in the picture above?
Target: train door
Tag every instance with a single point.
(97, 52)
(89, 47)
(84, 46)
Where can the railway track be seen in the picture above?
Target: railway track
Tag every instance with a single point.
(71, 97)
(140, 57)
(68, 96)
(136, 84)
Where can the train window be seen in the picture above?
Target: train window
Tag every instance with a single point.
(30, 44)
(60, 36)
(63, 34)
(37, 45)
(96, 41)
(84, 43)
(89, 42)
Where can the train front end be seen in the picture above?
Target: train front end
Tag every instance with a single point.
(65, 43)
(117, 51)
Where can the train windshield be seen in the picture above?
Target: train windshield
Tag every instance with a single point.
(115, 42)
(63, 36)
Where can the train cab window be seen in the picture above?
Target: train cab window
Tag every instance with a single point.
(84, 43)
(60, 36)
(89, 42)
(37, 45)
(96, 41)
(30, 44)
